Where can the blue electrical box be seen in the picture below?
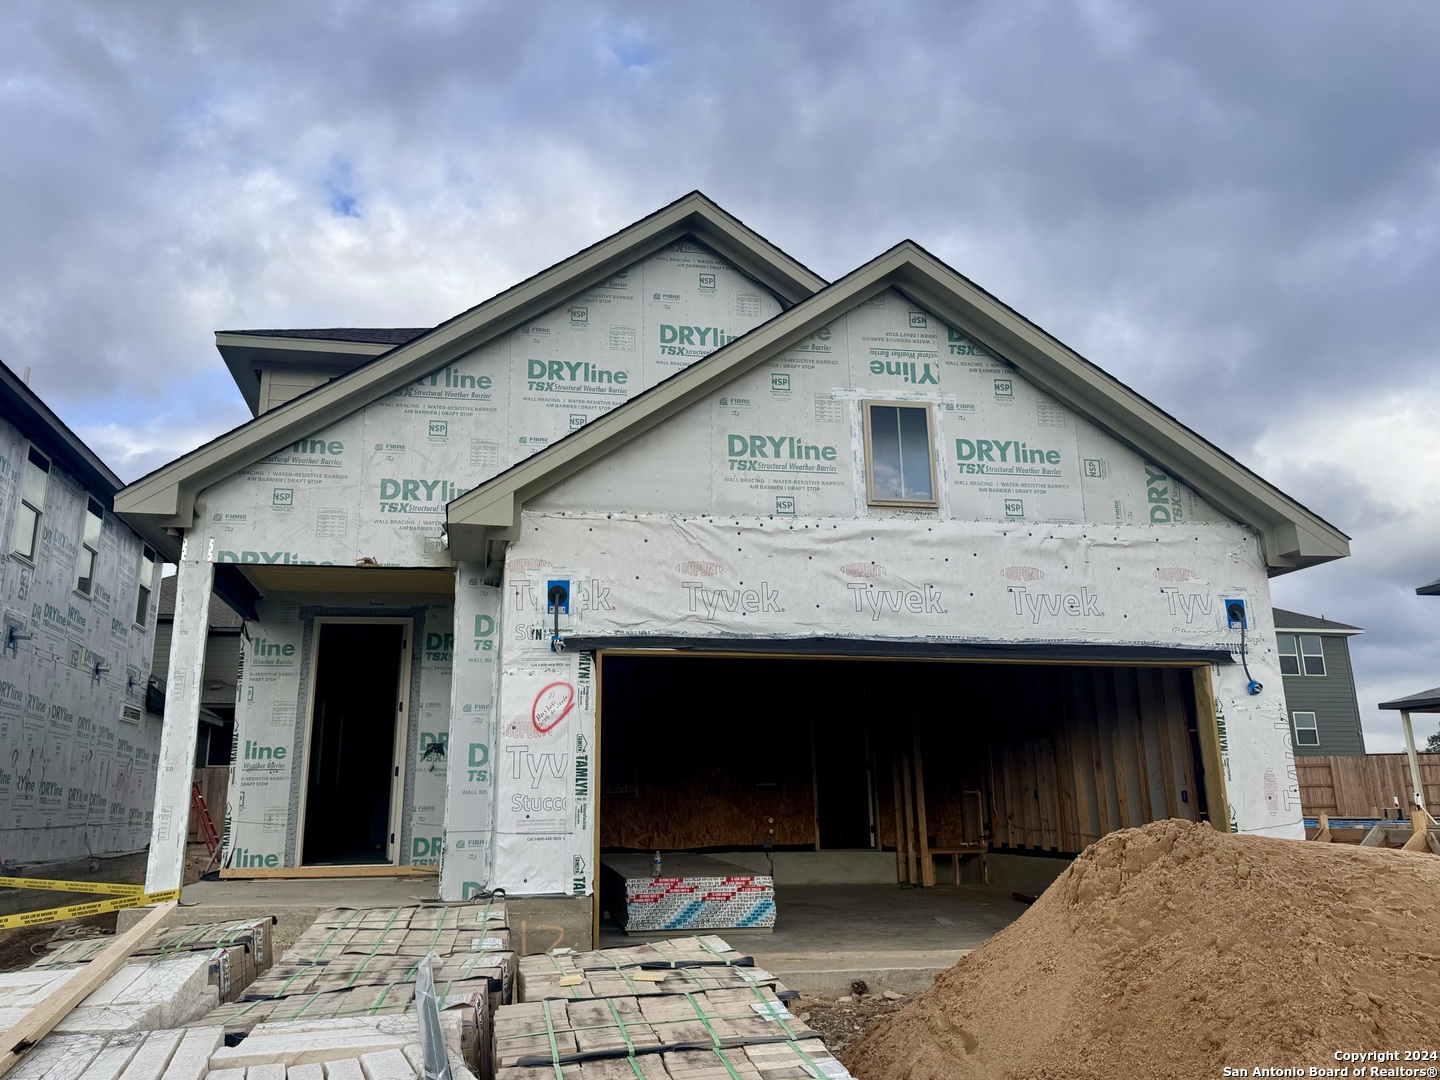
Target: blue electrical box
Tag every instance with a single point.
(557, 596)
(1235, 616)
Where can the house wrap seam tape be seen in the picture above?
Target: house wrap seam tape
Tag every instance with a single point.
(94, 907)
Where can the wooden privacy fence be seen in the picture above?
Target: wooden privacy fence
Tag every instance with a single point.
(1363, 785)
(214, 781)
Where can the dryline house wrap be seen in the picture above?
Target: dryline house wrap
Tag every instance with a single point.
(673, 426)
(77, 616)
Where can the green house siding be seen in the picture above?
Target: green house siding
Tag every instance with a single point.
(1331, 697)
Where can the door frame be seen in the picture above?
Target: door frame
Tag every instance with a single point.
(402, 727)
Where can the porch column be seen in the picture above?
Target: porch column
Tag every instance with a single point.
(166, 865)
(1417, 786)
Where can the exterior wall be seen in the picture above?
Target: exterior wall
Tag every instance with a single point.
(277, 386)
(708, 459)
(376, 484)
(76, 777)
(272, 713)
(1331, 697)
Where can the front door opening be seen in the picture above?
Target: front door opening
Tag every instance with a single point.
(348, 793)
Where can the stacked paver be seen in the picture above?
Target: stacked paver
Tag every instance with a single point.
(690, 1008)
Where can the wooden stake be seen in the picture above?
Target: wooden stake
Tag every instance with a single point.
(1324, 834)
(1419, 832)
(17, 1042)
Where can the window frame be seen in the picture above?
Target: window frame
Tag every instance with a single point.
(42, 462)
(93, 508)
(145, 588)
(1314, 726)
(1292, 654)
(871, 499)
(1318, 654)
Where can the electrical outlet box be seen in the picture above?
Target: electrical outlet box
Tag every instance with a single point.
(557, 596)
(1235, 615)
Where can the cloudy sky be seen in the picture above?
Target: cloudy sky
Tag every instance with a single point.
(1233, 207)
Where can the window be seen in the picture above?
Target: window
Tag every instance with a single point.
(89, 548)
(1307, 732)
(32, 504)
(899, 459)
(1302, 653)
(147, 582)
(1289, 654)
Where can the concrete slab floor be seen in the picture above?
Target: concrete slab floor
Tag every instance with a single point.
(893, 937)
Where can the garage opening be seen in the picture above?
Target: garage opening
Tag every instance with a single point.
(351, 790)
(896, 770)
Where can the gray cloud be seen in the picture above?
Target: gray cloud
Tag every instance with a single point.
(1230, 206)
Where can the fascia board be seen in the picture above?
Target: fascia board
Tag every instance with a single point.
(1128, 416)
(170, 491)
(1311, 630)
(225, 340)
(482, 506)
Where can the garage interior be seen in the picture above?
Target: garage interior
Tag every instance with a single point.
(863, 770)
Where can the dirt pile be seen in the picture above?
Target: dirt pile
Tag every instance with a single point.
(1174, 950)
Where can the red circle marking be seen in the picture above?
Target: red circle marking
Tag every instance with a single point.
(560, 714)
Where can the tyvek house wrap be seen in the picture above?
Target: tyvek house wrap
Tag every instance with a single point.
(751, 577)
(77, 750)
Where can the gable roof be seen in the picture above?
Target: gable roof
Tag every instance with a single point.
(1293, 536)
(167, 495)
(1294, 620)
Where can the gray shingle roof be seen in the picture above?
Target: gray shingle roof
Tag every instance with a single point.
(1425, 701)
(222, 617)
(1293, 620)
(1433, 589)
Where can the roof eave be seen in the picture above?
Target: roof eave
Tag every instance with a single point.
(241, 351)
(169, 493)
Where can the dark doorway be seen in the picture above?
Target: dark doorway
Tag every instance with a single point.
(844, 808)
(352, 743)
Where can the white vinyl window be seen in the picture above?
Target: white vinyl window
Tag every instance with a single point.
(899, 454)
(1307, 732)
(89, 548)
(1312, 656)
(1289, 654)
(32, 504)
(147, 582)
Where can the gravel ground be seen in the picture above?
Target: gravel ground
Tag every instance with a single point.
(845, 1019)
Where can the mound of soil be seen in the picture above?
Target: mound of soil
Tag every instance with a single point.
(1174, 950)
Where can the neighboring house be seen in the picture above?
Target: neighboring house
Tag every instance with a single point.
(77, 617)
(591, 567)
(1319, 683)
(222, 670)
(1425, 701)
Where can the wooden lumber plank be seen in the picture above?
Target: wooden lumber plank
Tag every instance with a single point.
(42, 1019)
(1081, 755)
(1212, 762)
(910, 849)
(900, 874)
(1114, 742)
(387, 870)
(1132, 741)
(1064, 773)
(1104, 789)
(927, 864)
(1179, 689)
(1159, 779)
(1168, 719)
